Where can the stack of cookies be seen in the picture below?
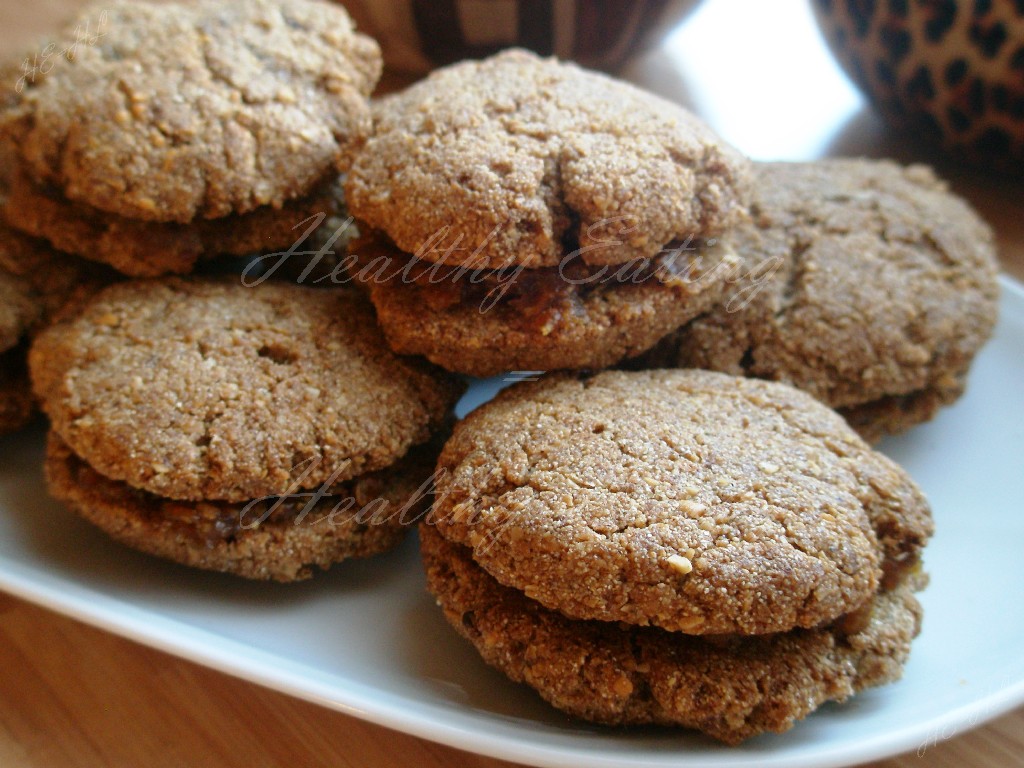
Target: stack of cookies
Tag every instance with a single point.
(175, 134)
(521, 213)
(676, 547)
(187, 131)
(262, 432)
(679, 546)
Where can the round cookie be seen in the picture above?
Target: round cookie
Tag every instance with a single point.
(36, 284)
(201, 110)
(538, 319)
(206, 389)
(148, 249)
(731, 688)
(870, 282)
(509, 158)
(685, 499)
(256, 540)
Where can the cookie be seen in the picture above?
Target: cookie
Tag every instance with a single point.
(507, 160)
(148, 249)
(207, 390)
(173, 112)
(18, 308)
(873, 286)
(731, 688)
(873, 420)
(48, 279)
(36, 285)
(279, 539)
(567, 317)
(689, 500)
(892, 415)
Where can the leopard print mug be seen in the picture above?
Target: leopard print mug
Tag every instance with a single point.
(952, 70)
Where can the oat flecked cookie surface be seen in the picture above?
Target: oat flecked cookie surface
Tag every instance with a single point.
(689, 500)
(207, 389)
(550, 318)
(872, 288)
(731, 688)
(510, 158)
(170, 112)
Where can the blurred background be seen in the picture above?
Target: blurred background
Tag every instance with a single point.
(951, 71)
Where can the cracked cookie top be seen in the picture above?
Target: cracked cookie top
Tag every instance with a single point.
(867, 280)
(206, 389)
(170, 112)
(518, 159)
(690, 500)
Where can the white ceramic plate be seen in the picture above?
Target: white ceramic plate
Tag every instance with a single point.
(367, 640)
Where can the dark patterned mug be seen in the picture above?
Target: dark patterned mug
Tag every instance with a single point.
(418, 35)
(951, 70)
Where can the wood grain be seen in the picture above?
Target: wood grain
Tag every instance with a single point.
(74, 696)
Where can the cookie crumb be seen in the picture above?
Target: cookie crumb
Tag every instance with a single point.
(692, 508)
(680, 564)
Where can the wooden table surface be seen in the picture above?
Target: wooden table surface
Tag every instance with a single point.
(71, 695)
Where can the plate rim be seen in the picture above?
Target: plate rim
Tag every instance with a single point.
(235, 658)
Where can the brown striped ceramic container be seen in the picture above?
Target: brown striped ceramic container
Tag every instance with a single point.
(418, 35)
